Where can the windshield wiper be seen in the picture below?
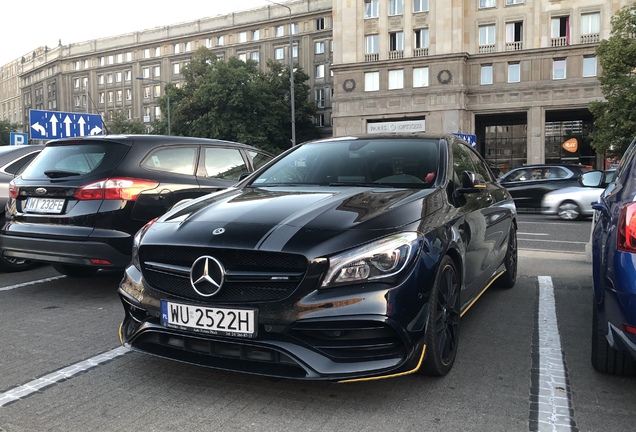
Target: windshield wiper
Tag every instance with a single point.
(60, 173)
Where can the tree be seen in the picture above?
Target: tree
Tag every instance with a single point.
(5, 131)
(615, 118)
(234, 100)
(122, 125)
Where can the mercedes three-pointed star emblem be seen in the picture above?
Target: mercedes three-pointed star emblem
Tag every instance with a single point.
(207, 275)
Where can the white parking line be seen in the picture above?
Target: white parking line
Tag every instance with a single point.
(20, 285)
(38, 384)
(551, 390)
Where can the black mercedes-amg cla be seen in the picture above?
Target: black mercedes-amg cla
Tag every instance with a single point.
(343, 259)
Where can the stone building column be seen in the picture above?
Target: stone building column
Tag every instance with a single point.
(536, 135)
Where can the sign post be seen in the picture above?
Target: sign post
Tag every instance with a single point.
(47, 125)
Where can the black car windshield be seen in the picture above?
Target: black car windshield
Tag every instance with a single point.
(357, 162)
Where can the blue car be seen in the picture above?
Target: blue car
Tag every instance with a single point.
(614, 269)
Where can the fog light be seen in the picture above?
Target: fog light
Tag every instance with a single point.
(100, 262)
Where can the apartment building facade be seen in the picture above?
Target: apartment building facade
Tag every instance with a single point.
(516, 74)
(127, 73)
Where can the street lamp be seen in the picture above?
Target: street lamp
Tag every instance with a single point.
(291, 74)
(167, 94)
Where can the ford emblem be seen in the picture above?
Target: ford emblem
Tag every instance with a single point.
(40, 191)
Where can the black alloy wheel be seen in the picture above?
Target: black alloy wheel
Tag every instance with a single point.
(442, 330)
(509, 277)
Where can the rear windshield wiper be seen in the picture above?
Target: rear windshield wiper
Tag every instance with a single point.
(60, 173)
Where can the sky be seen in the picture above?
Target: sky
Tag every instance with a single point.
(45, 22)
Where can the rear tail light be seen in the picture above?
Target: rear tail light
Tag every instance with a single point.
(13, 190)
(114, 189)
(627, 228)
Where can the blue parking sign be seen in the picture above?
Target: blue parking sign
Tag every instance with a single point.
(18, 138)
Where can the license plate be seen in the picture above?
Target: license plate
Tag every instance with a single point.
(44, 205)
(217, 321)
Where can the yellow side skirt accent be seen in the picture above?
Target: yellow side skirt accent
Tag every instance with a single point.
(482, 291)
(389, 376)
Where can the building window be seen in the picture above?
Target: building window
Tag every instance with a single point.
(421, 42)
(560, 31)
(320, 71)
(128, 94)
(129, 56)
(76, 65)
(589, 66)
(101, 61)
(156, 91)
(320, 24)
(110, 96)
(176, 48)
(420, 5)
(514, 72)
(111, 59)
(371, 9)
(158, 52)
(486, 74)
(396, 7)
(486, 4)
(128, 75)
(279, 53)
(294, 28)
(396, 79)
(146, 92)
(420, 77)
(487, 38)
(220, 40)
(76, 83)
(371, 81)
(514, 2)
(243, 57)
(188, 47)
(157, 71)
(559, 69)
(100, 79)
(372, 43)
(176, 68)
(255, 35)
(320, 120)
(320, 98)
(146, 72)
(396, 41)
(590, 27)
(280, 31)
(242, 37)
(120, 58)
(514, 36)
(84, 82)
(319, 47)
(118, 77)
(119, 95)
(295, 51)
(109, 78)
(255, 56)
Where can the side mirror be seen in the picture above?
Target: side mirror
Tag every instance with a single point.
(591, 179)
(472, 182)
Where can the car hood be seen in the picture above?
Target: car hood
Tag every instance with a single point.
(290, 219)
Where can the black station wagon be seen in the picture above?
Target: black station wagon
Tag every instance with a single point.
(79, 203)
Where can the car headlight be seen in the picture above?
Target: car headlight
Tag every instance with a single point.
(137, 240)
(380, 259)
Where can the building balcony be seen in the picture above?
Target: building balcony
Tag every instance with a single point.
(420, 52)
(560, 41)
(514, 46)
(397, 54)
(590, 38)
(484, 49)
(371, 57)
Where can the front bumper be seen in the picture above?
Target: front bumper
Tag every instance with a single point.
(355, 343)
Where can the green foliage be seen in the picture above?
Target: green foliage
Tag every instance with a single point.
(236, 101)
(122, 125)
(615, 118)
(5, 131)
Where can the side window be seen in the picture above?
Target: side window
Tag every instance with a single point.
(18, 166)
(258, 159)
(462, 161)
(178, 160)
(481, 167)
(519, 175)
(224, 163)
(555, 173)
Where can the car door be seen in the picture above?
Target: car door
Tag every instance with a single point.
(220, 167)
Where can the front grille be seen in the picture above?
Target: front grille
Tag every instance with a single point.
(351, 340)
(252, 276)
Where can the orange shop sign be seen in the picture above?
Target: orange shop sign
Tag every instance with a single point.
(571, 145)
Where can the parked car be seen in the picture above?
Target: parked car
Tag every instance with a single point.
(344, 259)
(574, 202)
(614, 269)
(528, 184)
(13, 159)
(79, 203)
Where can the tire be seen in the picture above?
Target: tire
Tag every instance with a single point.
(75, 271)
(10, 264)
(606, 359)
(569, 210)
(442, 329)
(509, 277)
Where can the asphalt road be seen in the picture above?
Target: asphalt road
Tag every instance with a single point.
(523, 364)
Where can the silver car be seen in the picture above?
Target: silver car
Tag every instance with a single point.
(574, 202)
